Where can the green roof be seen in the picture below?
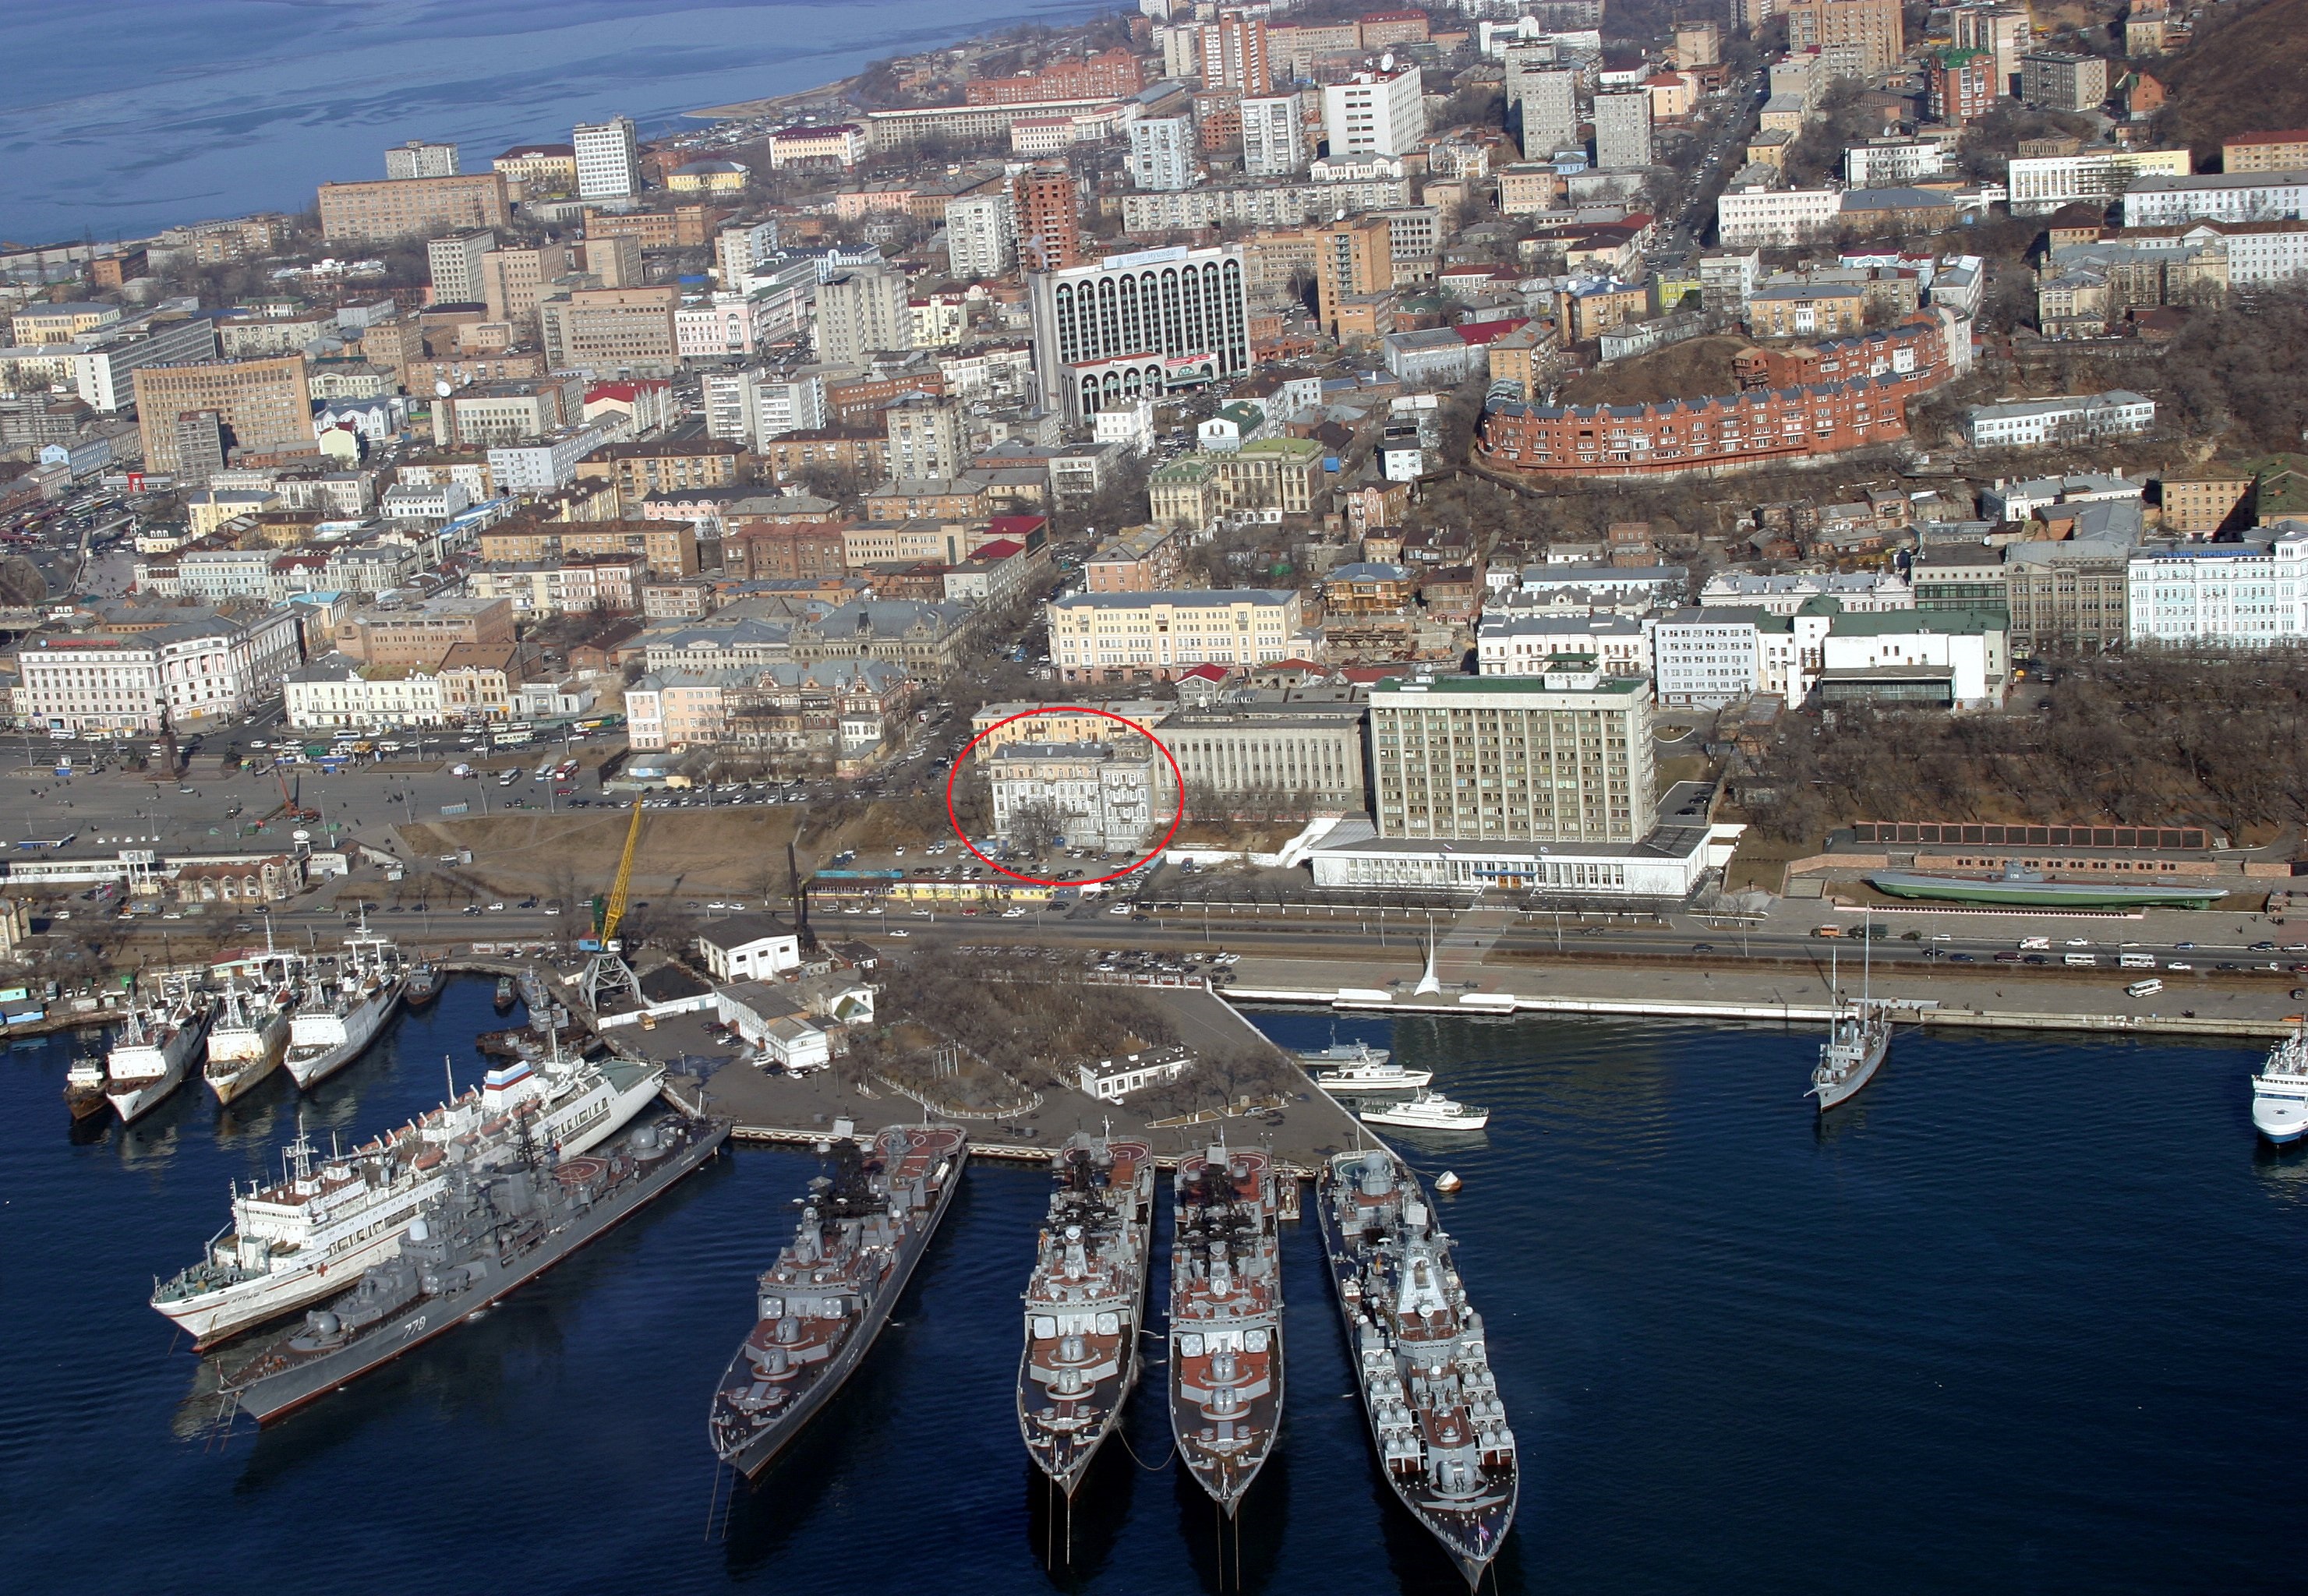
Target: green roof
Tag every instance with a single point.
(1878, 623)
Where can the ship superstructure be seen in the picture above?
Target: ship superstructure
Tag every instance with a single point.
(1421, 1358)
(294, 1241)
(824, 1302)
(154, 1051)
(1858, 1036)
(1086, 1304)
(249, 1035)
(343, 1010)
(1226, 1319)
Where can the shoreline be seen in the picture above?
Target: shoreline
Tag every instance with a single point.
(745, 110)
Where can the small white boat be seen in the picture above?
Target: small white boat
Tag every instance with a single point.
(1376, 1073)
(1429, 1110)
(2279, 1091)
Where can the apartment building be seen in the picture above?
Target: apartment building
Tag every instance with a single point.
(2061, 80)
(608, 159)
(1273, 136)
(1162, 153)
(2028, 424)
(1232, 53)
(1375, 113)
(1711, 434)
(1564, 756)
(514, 280)
(266, 404)
(665, 465)
(668, 548)
(625, 332)
(453, 264)
(1139, 560)
(862, 312)
(2222, 197)
(1623, 131)
(1104, 795)
(1123, 636)
(1047, 200)
(2285, 151)
(412, 207)
(1754, 216)
(981, 235)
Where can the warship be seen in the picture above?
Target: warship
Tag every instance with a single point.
(155, 1047)
(1226, 1319)
(1858, 1036)
(823, 1303)
(292, 1242)
(1421, 1360)
(341, 1015)
(247, 1038)
(484, 1233)
(1086, 1304)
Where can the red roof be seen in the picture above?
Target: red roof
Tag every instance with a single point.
(1000, 548)
(1018, 526)
(628, 392)
(1485, 332)
(1205, 673)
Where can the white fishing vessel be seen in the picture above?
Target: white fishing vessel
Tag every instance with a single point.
(2279, 1091)
(1373, 1072)
(1428, 1110)
(248, 1036)
(341, 1017)
(1858, 1036)
(312, 1231)
(154, 1051)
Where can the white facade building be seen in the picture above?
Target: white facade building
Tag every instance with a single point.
(1099, 796)
(1162, 153)
(1747, 218)
(1375, 113)
(1098, 636)
(608, 159)
(1522, 644)
(546, 465)
(2025, 424)
(2228, 197)
(2042, 184)
(1893, 163)
(2237, 595)
(1273, 137)
(1857, 593)
(981, 235)
(1706, 657)
(195, 669)
(1137, 324)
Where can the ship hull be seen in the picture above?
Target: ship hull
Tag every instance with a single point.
(1851, 1085)
(216, 1316)
(1224, 1421)
(2040, 894)
(1409, 1080)
(246, 1061)
(273, 1397)
(147, 1094)
(2279, 1120)
(1065, 1455)
(761, 1447)
(1227, 1482)
(364, 1023)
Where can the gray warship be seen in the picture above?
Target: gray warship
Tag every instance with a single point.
(1086, 1304)
(1226, 1319)
(486, 1233)
(1420, 1357)
(823, 1303)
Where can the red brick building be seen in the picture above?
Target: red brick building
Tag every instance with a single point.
(1913, 350)
(1047, 203)
(758, 552)
(1109, 74)
(1684, 437)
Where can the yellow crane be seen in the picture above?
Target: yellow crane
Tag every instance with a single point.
(609, 911)
(609, 978)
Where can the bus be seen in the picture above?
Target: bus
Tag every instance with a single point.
(2144, 989)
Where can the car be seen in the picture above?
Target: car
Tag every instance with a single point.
(2256, 947)
(2007, 957)
(1119, 910)
(2078, 942)
(1702, 947)
(900, 930)
(1013, 913)
(2177, 965)
(497, 908)
(2185, 947)
(2035, 958)
(471, 909)
(1961, 959)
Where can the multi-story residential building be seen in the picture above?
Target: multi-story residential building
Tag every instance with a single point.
(928, 436)
(1547, 96)
(204, 666)
(981, 235)
(1273, 136)
(2002, 31)
(1232, 53)
(2042, 184)
(267, 404)
(1162, 153)
(540, 169)
(421, 158)
(749, 247)
(1511, 645)
(668, 548)
(2061, 80)
(2228, 197)
(1106, 795)
(493, 413)
(412, 207)
(1860, 37)
(1047, 200)
(603, 584)
(1679, 436)
(1260, 205)
(2202, 500)
(453, 262)
(624, 332)
(1623, 131)
(1123, 637)
(2285, 151)
(512, 280)
(1963, 84)
(1138, 324)
(1113, 74)
(1375, 113)
(44, 324)
(843, 145)
(1893, 162)
(2248, 595)
(608, 159)
(2026, 424)
(665, 465)
(1140, 560)
(1752, 214)
(861, 311)
(1564, 756)
(543, 465)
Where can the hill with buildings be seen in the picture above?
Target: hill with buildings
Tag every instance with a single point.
(2247, 77)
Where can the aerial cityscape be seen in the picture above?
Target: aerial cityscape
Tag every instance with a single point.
(1437, 799)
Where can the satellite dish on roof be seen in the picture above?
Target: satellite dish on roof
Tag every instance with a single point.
(1386, 61)
(444, 388)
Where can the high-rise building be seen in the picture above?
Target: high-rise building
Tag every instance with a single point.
(1136, 325)
(1698, 44)
(608, 159)
(612, 332)
(1563, 757)
(2061, 80)
(1162, 153)
(861, 311)
(412, 207)
(928, 436)
(1273, 137)
(201, 447)
(1862, 35)
(1232, 53)
(454, 264)
(738, 251)
(1375, 113)
(981, 235)
(1963, 87)
(1751, 14)
(1047, 203)
(1351, 257)
(1549, 98)
(2003, 31)
(266, 404)
(512, 280)
(419, 158)
(616, 262)
(1623, 130)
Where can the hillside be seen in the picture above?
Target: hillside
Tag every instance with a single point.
(2250, 76)
(1687, 370)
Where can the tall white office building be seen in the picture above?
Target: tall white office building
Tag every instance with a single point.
(421, 158)
(1162, 153)
(1375, 113)
(1138, 325)
(1273, 137)
(608, 159)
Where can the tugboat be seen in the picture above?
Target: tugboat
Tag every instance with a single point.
(1421, 1360)
(423, 984)
(482, 1236)
(823, 1303)
(1226, 1320)
(1857, 1039)
(155, 1049)
(504, 994)
(1086, 1304)
(84, 1088)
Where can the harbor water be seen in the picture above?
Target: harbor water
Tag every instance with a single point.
(2016, 1318)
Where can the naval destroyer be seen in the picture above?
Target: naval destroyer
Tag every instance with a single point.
(823, 1303)
(1226, 1319)
(291, 1242)
(1420, 1357)
(484, 1233)
(1086, 1304)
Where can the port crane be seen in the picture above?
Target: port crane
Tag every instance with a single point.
(608, 976)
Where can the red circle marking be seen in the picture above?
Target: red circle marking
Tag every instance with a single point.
(954, 819)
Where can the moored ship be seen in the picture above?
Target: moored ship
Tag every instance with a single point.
(825, 1302)
(1858, 1036)
(423, 984)
(85, 1095)
(2279, 1091)
(1428, 1110)
(1420, 1356)
(1374, 1071)
(484, 1235)
(248, 1037)
(1226, 1319)
(1086, 1304)
(341, 1015)
(295, 1240)
(152, 1053)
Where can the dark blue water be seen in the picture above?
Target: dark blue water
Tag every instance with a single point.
(2022, 1320)
(123, 117)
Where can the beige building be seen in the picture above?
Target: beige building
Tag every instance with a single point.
(2285, 151)
(1856, 37)
(624, 330)
(266, 403)
(412, 207)
(1120, 636)
(512, 280)
(2199, 502)
(422, 634)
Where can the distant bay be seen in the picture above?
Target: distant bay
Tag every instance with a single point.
(121, 119)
